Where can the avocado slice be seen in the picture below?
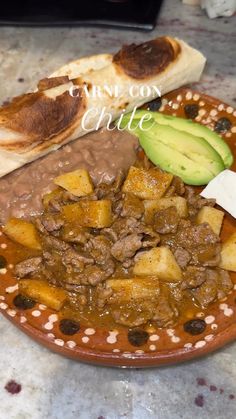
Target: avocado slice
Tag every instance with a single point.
(196, 129)
(173, 161)
(182, 154)
(195, 148)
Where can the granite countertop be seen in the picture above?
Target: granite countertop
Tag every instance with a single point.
(56, 388)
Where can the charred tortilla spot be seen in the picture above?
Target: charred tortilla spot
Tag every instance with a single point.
(148, 59)
(89, 86)
(78, 81)
(49, 83)
(138, 337)
(39, 118)
(195, 327)
(123, 105)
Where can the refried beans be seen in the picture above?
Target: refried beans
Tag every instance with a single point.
(103, 153)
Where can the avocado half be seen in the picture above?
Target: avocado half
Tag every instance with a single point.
(196, 129)
(172, 160)
(190, 157)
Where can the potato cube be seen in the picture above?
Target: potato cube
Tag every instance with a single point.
(78, 182)
(22, 232)
(147, 184)
(96, 214)
(212, 216)
(228, 254)
(43, 293)
(153, 205)
(158, 261)
(126, 290)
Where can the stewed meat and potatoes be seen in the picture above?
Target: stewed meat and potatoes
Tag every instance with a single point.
(141, 249)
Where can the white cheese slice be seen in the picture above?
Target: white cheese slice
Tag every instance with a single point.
(223, 189)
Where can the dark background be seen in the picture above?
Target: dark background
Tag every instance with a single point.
(124, 13)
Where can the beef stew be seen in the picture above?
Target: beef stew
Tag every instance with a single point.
(132, 252)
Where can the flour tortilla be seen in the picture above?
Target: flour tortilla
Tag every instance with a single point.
(83, 65)
(37, 123)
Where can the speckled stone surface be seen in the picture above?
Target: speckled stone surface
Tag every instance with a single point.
(54, 387)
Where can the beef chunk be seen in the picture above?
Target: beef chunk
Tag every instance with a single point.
(99, 248)
(51, 223)
(132, 206)
(200, 242)
(182, 257)
(124, 317)
(165, 314)
(150, 237)
(207, 255)
(133, 316)
(62, 197)
(39, 225)
(178, 185)
(126, 226)
(170, 192)
(216, 286)
(196, 202)
(224, 283)
(207, 292)
(108, 267)
(123, 226)
(55, 243)
(110, 233)
(109, 190)
(176, 292)
(51, 258)
(75, 234)
(92, 275)
(28, 266)
(54, 205)
(112, 192)
(196, 235)
(166, 221)
(194, 277)
(127, 247)
(76, 259)
(78, 295)
(103, 295)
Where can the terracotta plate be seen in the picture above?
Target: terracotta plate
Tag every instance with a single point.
(148, 348)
